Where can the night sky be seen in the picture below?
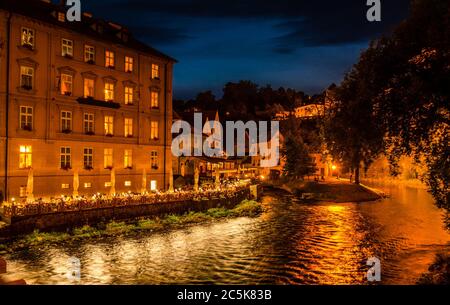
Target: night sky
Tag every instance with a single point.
(305, 45)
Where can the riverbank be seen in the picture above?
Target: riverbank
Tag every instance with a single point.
(337, 191)
(247, 208)
(66, 213)
(439, 272)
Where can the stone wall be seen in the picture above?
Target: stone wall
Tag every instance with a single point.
(65, 220)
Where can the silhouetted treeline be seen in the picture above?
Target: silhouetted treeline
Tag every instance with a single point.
(245, 100)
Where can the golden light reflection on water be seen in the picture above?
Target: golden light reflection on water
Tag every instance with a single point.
(291, 243)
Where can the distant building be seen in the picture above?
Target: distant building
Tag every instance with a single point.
(79, 98)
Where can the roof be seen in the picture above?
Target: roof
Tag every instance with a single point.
(95, 28)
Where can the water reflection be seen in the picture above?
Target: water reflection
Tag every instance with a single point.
(291, 243)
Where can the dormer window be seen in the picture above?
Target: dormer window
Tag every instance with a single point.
(28, 38)
(61, 17)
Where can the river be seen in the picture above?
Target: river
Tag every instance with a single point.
(291, 243)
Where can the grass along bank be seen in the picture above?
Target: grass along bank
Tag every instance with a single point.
(247, 208)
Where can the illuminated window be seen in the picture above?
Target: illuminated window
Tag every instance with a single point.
(128, 64)
(66, 84)
(88, 158)
(154, 130)
(26, 118)
(128, 158)
(25, 156)
(109, 59)
(128, 127)
(109, 125)
(23, 191)
(108, 184)
(28, 38)
(108, 158)
(67, 47)
(89, 54)
(109, 91)
(65, 186)
(129, 95)
(153, 185)
(26, 77)
(66, 121)
(154, 159)
(66, 157)
(155, 71)
(87, 185)
(88, 87)
(155, 100)
(127, 183)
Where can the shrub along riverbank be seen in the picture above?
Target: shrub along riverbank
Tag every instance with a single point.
(247, 208)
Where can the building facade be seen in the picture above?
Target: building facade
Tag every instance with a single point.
(80, 99)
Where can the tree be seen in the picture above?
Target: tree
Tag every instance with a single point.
(206, 101)
(400, 89)
(298, 162)
(353, 132)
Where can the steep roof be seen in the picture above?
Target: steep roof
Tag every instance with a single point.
(95, 28)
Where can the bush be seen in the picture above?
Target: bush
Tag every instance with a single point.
(249, 208)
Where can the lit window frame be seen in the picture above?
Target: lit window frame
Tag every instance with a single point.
(88, 158)
(27, 77)
(155, 72)
(66, 121)
(86, 88)
(109, 125)
(89, 122)
(89, 54)
(154, 130)
(26, 117)
(27, 38)
(65, 154)
(129, 64)
(109, 91)
(25, 156)
(154, 99)
(110, 60)
(67, 47)
(66, 83)
(128, 127)
(128, 159)
(154, 159)
(108, 158)
(129, 95)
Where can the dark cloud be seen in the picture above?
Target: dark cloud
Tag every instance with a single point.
(310, 23)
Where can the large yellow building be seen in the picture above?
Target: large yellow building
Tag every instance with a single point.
(79, 98)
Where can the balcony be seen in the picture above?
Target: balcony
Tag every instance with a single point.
(93, 102)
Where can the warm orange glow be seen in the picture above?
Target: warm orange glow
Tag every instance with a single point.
(334, 167)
